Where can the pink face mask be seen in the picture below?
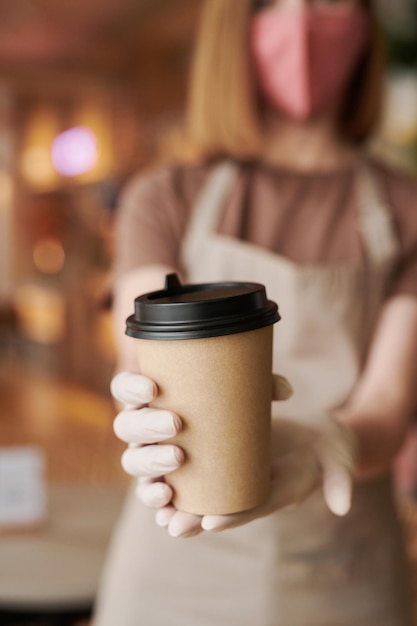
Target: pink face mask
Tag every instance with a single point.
(305, 59)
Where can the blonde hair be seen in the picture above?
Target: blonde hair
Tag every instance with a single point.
(223, 115)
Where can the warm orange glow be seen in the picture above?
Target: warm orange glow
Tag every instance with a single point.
(36, 161)
(37, 167)
(41, 313)
(49, 256)
(97, 118)
(104, 336)
(43, 129)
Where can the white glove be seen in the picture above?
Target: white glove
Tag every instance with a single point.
(305, 455)
(143, 428)
(336, 449)
(302, 455)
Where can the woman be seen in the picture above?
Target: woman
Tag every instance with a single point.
(283, 95)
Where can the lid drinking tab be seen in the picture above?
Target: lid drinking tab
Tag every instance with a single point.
(172, 282)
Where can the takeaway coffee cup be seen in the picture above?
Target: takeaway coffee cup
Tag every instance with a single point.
(209, 349)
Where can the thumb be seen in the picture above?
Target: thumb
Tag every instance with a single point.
(281, 388)
(336, 451)
(337, 489)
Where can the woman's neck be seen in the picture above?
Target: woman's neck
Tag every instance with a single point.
(309, 146)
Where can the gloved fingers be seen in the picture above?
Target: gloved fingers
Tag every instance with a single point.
(145, 426)
(337, 475)
(337, 490)
(294, 478)
(178, 523)
(153, 492)
(152, 461)
(281, 388)
(336, 451)
(183, 524)
(133, 389)
(164, 515)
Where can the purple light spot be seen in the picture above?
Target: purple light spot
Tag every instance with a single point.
(74, 151)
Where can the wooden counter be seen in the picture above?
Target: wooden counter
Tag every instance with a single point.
(71, 424)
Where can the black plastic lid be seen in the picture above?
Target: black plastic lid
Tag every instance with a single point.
(201, 311)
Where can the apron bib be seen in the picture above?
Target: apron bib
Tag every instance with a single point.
(301, 566)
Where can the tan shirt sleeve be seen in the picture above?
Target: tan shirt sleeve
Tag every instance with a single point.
(152, 217)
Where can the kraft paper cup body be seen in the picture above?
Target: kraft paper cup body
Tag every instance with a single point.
(221, 387)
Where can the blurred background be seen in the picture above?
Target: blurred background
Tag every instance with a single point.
(87, 90)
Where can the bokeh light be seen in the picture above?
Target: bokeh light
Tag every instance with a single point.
(41, 313)
(74, 151)
(37, 167)
(49, 256)
(400, 115)
(35, 161)
(96, 117)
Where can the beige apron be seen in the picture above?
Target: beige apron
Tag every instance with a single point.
(303, 566)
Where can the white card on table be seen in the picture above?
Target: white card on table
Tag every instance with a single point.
(23, 499)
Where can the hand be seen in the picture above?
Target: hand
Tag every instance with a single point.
(295, 473)
(336, 448)
(305, 455)
(300, 453)
(143, 429)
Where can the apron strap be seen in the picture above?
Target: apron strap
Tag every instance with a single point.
(375, 218)
(206, 212)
